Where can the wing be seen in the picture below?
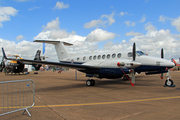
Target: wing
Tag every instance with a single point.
(69, 65)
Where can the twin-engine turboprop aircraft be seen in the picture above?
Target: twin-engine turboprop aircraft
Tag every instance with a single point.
(110, 65)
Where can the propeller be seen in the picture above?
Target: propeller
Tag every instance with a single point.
(133, 65)
(134, 58)
(162, 53)
(162, 56)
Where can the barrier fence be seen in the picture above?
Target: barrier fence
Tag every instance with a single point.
(16, 95)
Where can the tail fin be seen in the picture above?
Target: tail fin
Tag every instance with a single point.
(38, 58)
(4, 55)
(59, 46)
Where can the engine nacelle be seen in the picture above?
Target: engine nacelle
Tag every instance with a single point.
(132, 64)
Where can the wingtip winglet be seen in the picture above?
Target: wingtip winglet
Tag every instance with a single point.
(4, 55)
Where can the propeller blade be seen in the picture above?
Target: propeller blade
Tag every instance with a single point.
(162, 53)
(134, 52)
(133, 77)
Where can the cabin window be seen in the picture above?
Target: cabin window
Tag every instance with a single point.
(108, 56)
(90, 58)
(113, 55)
(130, 54)
(84, 58)
(99, 56)
(103, 57)
(94, 57)
(78, 58)
(119, 55)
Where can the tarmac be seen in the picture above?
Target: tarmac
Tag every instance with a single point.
(59, 96)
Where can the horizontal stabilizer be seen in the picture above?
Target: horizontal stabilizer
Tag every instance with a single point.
(53, 42)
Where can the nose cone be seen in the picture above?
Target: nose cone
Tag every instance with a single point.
(171, 65)
(167, 63)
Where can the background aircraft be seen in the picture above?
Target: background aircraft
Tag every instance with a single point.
(107, 65)
(15, 66)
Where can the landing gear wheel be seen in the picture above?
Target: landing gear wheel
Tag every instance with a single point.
(90, 82)
(169, 82)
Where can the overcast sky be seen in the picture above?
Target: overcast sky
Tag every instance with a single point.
(91, 25)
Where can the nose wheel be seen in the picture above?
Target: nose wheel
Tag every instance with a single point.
(169, 82)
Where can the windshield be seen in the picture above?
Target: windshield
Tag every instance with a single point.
(140, 53)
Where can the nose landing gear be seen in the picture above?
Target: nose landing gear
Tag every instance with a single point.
(169, 82)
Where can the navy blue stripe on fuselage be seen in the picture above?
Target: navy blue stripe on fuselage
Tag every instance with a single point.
(142, 68)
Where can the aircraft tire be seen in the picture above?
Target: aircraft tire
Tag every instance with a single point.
(88, 83)
(92, 82)
(169, 82)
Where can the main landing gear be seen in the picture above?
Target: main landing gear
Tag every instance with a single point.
(90, 82)
(169, 82)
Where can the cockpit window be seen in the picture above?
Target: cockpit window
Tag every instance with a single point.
(130, 54)
(140, 53)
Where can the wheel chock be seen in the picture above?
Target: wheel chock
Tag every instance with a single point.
(169, 85)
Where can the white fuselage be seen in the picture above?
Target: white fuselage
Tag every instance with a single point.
(110, 60)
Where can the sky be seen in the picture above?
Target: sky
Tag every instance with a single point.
(92, 26)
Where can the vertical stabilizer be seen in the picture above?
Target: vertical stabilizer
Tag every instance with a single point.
(61, 50)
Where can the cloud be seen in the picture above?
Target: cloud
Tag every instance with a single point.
(93, 23)
(53, 25)
(163, 18)
(132, 33)
(61, 5)
(122, 13)
(34, 8)
(5, 13)
(53, 31)
(19, 37)
(23, 47)
(60, 34)
(110, 18)
(176, 22)
(99, 35)
(152, 42)
(143, 19)
(129, 23)
(150, 27)
(102, 21)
